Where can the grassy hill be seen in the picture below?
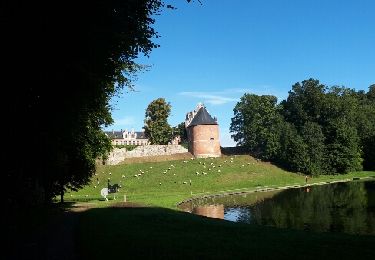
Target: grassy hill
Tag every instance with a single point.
(165, 183)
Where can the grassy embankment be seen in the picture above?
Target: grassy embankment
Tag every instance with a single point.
(153, 232)
(165, 183)
(160, 233)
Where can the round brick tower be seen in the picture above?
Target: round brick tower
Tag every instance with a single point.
(203, 133)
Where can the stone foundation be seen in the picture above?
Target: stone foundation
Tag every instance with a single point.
(120, 155)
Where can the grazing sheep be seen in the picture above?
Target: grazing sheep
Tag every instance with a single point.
(218, 171)
(123, 176)
(110, 173)
(184, 182)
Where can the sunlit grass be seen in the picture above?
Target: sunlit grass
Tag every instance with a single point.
(168, 182)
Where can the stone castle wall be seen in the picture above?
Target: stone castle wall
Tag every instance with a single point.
(119, 155)
(204, 141)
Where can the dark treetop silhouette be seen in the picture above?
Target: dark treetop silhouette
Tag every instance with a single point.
(63, 60)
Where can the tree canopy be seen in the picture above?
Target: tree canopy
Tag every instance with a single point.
(66, 60)
(316, 130)
(157, 128)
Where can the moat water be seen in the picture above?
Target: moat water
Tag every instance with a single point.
(340, 207)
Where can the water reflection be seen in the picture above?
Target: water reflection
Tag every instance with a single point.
(339, 207)
(212, 211)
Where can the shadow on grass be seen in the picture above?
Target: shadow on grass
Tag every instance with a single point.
(158, 233)
(129, 230)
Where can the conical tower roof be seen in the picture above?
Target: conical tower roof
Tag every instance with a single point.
(202, 118)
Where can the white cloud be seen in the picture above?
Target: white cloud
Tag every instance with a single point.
(227, 95)
(213, 98)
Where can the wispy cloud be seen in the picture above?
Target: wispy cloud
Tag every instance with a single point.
(230, 94)
(213, 98)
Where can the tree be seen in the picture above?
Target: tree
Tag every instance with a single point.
(313, 137)
(255, 125)
(365, 124)
(304, 103)
(74, 57)
(180, 130)
(293, 153)
(157, 129)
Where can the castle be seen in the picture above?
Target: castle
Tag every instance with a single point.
(125, 137)
(203, 133)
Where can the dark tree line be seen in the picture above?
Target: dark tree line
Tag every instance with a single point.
(316, 130)
(63, 62)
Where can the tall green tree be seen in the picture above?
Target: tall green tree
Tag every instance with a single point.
(74, 58)
(305, 103)
(316, 130)
(293, 153)
(365, 124)
(157, 129)
(180, 130)
(255, 125)
(313, 137)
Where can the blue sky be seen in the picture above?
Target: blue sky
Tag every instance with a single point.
(215, 52)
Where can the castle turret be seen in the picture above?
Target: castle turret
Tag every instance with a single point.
(203, 133)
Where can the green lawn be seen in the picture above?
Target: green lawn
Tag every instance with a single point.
(158, 230)
(164, 184)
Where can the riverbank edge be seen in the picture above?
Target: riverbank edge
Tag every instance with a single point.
(267, 188)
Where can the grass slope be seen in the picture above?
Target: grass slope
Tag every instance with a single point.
(166, 183)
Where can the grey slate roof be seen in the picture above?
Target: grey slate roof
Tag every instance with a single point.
(114, 134)
(141, 135)
(202, 118)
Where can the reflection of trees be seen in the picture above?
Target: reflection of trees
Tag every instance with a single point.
(346, 207)
(335, 207)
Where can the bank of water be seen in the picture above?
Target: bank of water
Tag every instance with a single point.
(339, 207)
